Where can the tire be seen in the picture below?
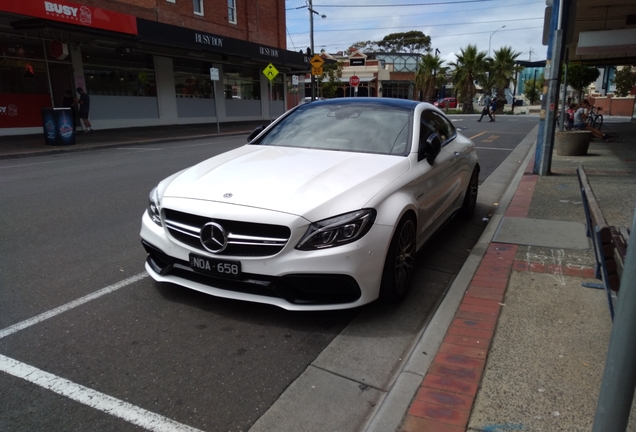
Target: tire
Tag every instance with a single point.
(400, 262)
(470, 198)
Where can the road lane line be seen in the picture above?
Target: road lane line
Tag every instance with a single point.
(92, 398)
(475, 136)
(68, 306)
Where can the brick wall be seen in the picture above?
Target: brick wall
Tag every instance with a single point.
(260, 22)
(618, 106)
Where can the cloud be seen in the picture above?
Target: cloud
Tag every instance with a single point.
(451, 27)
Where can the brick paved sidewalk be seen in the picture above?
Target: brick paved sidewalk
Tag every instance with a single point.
(445, 399)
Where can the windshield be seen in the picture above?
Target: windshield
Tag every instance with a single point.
(354, 127)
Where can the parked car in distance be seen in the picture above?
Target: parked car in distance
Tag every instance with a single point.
(325, 208)
(442, 103)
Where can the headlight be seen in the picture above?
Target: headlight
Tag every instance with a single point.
(338, 230)
(154, 206)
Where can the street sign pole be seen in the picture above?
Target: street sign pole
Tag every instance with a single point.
(270, 72)
(214, 77)
(354, 82)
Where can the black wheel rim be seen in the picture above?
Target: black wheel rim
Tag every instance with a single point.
(405, 257)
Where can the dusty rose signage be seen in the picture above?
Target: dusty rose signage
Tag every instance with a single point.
(73, 13)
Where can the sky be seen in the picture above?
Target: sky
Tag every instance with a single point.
(451, 24)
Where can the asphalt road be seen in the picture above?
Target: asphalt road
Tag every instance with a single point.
(70, 227)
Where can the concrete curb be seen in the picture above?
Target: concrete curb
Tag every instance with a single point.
(394, 406)
(98, 146)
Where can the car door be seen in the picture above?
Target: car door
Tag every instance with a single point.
(441, 185)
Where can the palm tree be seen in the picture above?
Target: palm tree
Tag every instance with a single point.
(503, 69)
(469, 67)
(430, 75)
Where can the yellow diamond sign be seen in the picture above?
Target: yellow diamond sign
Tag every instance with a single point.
(270, 72)
(316, 61)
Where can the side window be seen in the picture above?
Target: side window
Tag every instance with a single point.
(231, 11)
(441, 125)
(198, 7)
(426, 128)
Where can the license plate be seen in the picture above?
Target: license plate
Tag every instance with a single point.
(214, 267)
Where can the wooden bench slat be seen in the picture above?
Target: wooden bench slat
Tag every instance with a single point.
(595, 209)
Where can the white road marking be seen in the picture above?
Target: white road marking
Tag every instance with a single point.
(68, 306)
(493, 148)
(138, 148)
(92, 398)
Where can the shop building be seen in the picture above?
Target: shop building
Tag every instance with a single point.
(389, 75)
(144, 65)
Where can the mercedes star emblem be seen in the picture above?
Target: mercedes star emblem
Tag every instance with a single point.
(213, 237)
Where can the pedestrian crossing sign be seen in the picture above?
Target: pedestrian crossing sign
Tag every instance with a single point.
(270, 72)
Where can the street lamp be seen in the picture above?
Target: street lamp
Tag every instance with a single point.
(491, 35)
(311, 36)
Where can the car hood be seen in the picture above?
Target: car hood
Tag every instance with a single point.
(309, 183)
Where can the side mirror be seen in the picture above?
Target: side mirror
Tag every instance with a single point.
(431, 148)
(255, 133)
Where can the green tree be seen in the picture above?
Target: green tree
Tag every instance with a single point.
(469, 67)
(330, 79)
(624, 80)
(407, 42)
(503, 69)
(363, 46)
(580, 76)
(533, 89)
(430, 75)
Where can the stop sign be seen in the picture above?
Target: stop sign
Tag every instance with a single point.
(354, 81)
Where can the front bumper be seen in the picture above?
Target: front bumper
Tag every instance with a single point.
(335, 278)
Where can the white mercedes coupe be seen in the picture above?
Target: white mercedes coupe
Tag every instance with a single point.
(324, 208)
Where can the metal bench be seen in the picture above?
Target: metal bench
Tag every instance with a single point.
(610, 243)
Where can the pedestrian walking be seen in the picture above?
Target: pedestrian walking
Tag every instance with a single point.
(514, 102)
(486, 110)
(84, 103)
(493, 108)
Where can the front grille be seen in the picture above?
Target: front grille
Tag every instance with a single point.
(244, 238)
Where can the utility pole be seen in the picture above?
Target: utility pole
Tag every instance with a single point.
(310, 6)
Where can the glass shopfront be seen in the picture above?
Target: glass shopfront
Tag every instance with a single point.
(192, 79)
(118, 72)
(24, 81)
(121, 83)
(242, 83)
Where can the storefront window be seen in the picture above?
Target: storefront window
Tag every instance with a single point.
(241, 83)
(118, 72)
(192, 79)
(278, 88)
(23, 76)
(20, 72)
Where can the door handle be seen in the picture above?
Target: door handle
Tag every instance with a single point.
(456, 154)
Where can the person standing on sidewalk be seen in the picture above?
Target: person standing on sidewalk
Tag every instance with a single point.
(486, 110)
(68, 101)
(84, 103)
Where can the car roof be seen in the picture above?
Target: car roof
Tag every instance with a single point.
(385, 102)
